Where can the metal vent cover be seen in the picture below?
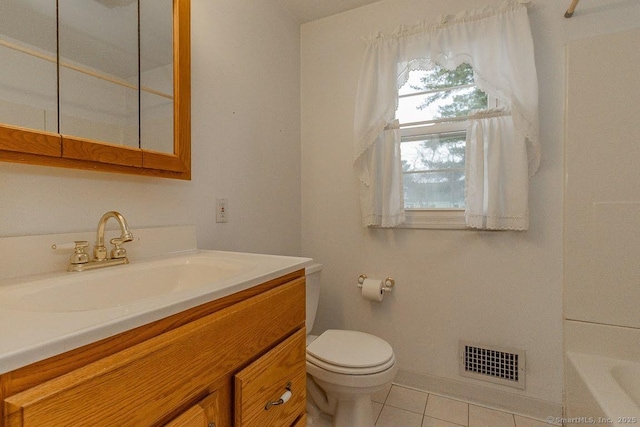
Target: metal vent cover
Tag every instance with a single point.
(499, 365)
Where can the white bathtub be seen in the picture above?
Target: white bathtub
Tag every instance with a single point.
(602, 390)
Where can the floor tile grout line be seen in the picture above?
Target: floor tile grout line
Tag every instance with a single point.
(424, 411)
(440, 419)
(424, 415)
(403, 409)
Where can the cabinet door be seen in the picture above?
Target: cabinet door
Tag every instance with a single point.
(204, 414)
(267, 380)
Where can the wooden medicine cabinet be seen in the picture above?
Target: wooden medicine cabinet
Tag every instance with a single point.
(64, 72)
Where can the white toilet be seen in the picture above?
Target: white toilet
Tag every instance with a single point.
(344, 368)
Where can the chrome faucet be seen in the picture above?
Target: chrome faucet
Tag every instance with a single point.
(80, 259)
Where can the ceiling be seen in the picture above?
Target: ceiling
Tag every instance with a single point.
(310, 10)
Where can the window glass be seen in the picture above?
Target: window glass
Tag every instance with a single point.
(433, 168)
(433, 107)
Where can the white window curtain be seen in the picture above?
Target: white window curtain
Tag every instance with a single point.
(497, 187)
(497, 43)
(385, 206)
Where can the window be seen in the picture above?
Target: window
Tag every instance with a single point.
(503, 147)
(433, 109)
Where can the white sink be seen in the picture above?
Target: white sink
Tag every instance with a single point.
(123, 285)
(46, 311)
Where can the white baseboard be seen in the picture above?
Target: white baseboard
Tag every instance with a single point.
(482, 396)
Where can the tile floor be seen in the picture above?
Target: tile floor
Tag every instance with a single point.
(404, 407)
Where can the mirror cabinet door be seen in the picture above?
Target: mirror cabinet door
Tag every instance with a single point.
(156, 75)
(28, 82)
(98, 65)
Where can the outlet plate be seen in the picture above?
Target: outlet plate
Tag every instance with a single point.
(222, 214)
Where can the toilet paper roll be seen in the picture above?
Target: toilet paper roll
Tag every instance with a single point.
(372, 289)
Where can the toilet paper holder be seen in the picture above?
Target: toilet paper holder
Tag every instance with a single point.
(389, 282)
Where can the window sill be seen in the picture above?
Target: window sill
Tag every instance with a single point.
(438, 219)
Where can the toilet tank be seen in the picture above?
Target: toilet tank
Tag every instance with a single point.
(312, 293)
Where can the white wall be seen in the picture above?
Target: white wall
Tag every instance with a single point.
(245, 145)
(500, 288)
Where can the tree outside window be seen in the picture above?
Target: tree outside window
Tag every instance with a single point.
(434, 106)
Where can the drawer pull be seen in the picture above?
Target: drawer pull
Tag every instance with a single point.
(283, 399)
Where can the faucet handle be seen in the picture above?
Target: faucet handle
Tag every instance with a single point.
(79, 256)
(118, 251)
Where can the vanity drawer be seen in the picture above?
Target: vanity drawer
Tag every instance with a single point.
(266, 380)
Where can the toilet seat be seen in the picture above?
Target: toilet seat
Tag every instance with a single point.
(350, 352)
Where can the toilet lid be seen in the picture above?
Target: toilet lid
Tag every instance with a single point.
(350, 349)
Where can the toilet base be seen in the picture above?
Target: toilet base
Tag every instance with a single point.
(315, 417)
(348, 413)
(354, 412)
(349, 407)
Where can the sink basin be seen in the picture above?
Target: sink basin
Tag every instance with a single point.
(123, 285)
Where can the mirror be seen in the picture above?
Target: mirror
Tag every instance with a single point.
(156, 75)
(115, 94)
(98, 70)
(28, 86)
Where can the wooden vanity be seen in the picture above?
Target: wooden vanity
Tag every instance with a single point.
(217, 364)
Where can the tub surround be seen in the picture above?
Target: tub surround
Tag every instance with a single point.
(602, 206)
(601, 242)
(42, 334)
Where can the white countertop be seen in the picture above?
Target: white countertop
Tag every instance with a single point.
(30, 336)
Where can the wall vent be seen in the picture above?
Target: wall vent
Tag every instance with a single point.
(498, 365)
